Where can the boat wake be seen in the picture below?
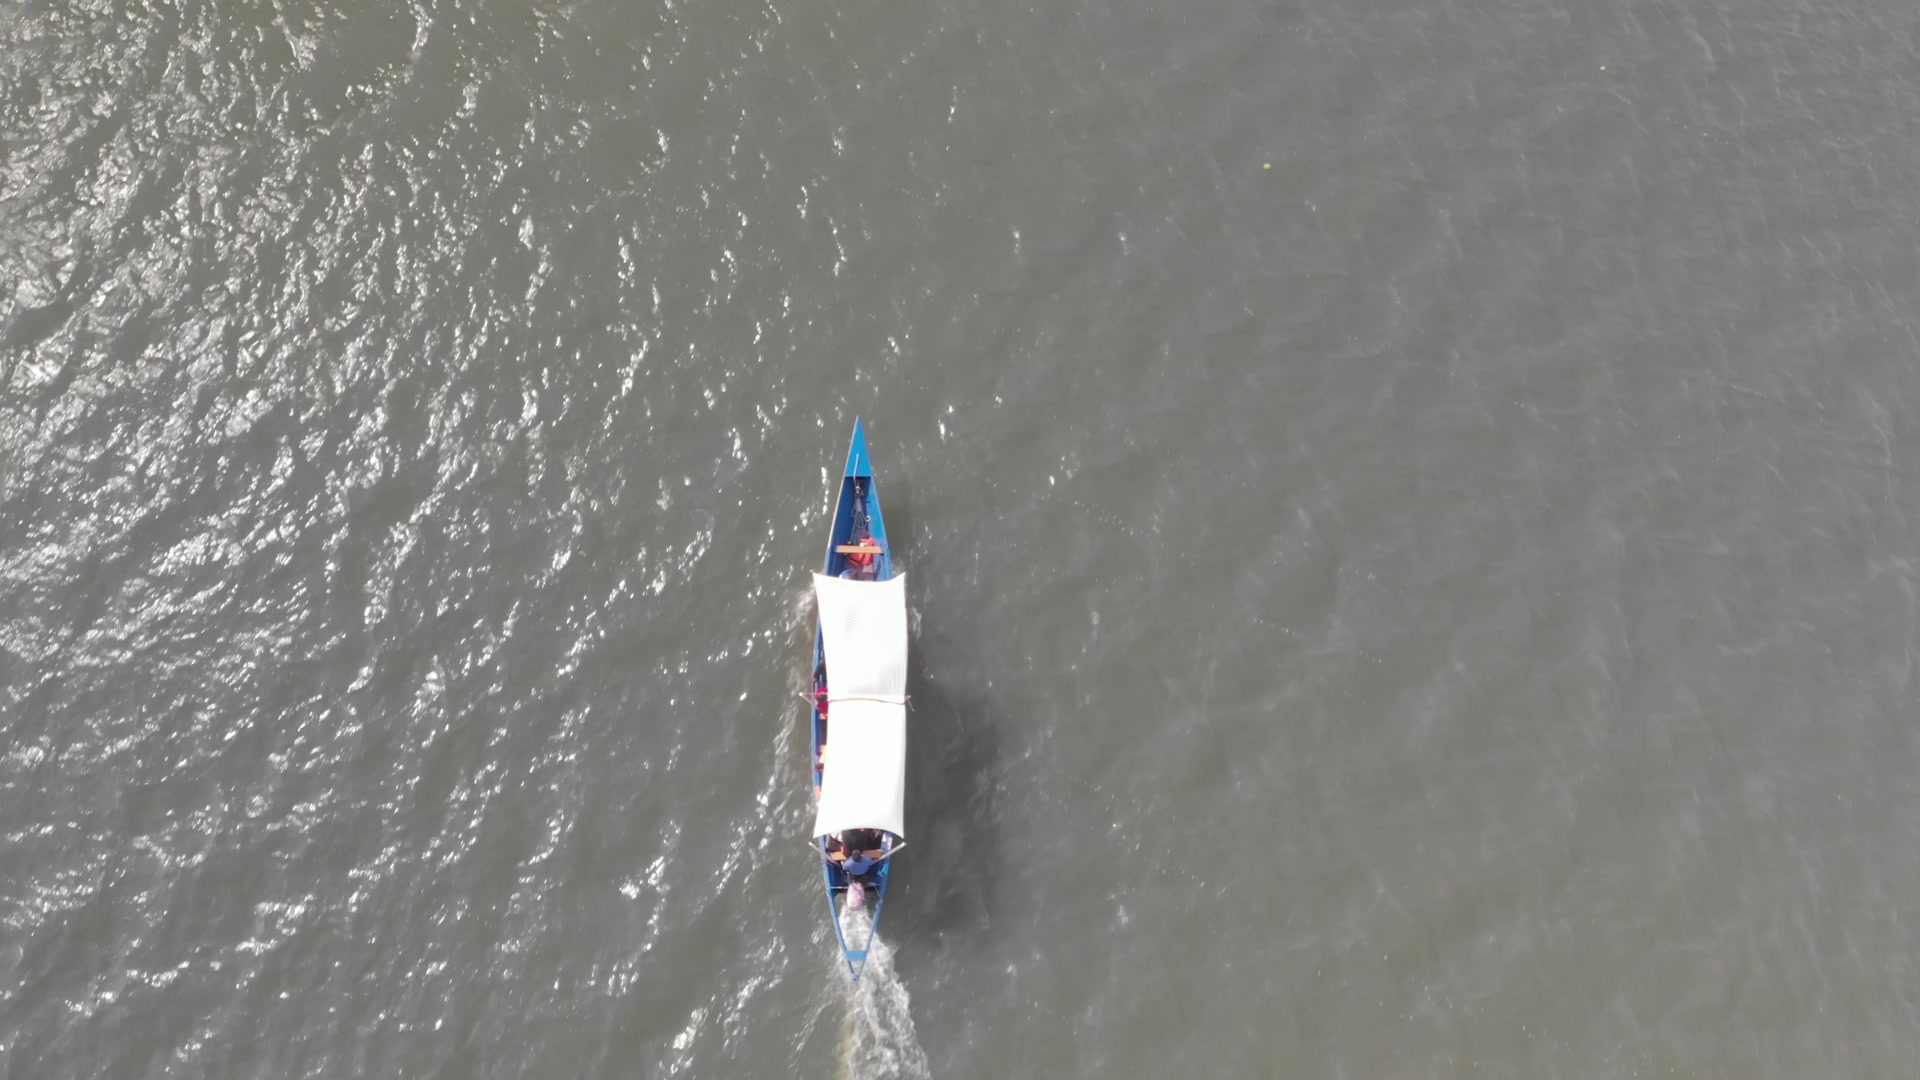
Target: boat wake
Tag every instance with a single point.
(878, 1041)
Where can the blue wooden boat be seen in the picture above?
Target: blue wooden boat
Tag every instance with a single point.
(859, 710)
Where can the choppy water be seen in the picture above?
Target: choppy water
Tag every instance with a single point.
(1409, 506)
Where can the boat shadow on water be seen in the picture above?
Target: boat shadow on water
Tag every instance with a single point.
(946, 892)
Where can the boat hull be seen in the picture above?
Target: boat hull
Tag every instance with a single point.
(856, 518)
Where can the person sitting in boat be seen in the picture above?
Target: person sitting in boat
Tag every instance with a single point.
(858, 863)
(820, 706)
(860, 563)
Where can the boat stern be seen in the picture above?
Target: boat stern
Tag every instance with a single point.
(856, 962)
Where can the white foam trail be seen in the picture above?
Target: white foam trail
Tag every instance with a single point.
(878, 1041)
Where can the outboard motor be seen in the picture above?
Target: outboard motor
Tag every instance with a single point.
(856, 896)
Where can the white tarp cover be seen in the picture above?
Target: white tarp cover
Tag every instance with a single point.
(864, 624)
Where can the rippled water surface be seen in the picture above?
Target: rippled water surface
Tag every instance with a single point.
(1409, 510)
